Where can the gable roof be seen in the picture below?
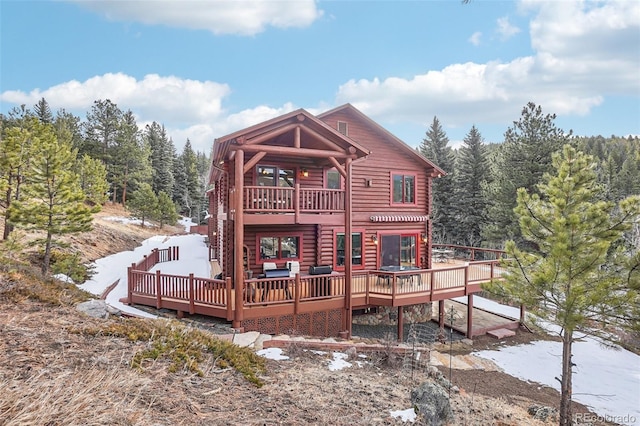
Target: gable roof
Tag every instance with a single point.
(401, 145)
(277, 129)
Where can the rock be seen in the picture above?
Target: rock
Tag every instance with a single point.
(94, 308)
(431, 402)
(543, 413)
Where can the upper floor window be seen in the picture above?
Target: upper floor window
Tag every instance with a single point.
(404, 189)
(343, 128)
(279, 247)
(275, 176)
(334, 179)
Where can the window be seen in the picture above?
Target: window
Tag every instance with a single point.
(279, 247)
(356, 249)
(334, 179)
(399, 250)
(343, 128)
(404, 189)
(274, 176)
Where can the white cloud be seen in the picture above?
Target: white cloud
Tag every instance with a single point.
(584, 51)
(242, 17)
(475, 38)
(189, 109)
(505, 29)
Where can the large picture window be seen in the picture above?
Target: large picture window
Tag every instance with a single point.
(279, 247)
(404, 189)
(275, 176)
(399, 250)
(356, 249)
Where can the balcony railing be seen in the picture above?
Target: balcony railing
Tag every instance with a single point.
(268, 199)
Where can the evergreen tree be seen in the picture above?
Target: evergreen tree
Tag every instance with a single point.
(576, 277)
(92, 176)
(180, 189)
(43, 112)
(101, 129)
(67, 127)
(524, 157)
(435, 147)
(471, 177)
(166, 210)
(144, 203)
(16, 152)
(162, 153)
(53, 201)
(194, 190)
(130, 158)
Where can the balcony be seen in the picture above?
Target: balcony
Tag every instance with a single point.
(305, 204)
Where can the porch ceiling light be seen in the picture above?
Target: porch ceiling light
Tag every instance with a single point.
(374, 239)
(304, 173)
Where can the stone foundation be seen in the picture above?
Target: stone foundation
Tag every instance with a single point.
(388, 315)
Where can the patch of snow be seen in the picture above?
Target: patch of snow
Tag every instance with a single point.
(408, 415)
(128, 221)
(64, 278)
(339, 361)
(186, 222)
(272, 353)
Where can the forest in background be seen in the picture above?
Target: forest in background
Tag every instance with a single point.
(114, 159)
(473, 204)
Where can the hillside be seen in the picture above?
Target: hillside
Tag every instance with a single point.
(54, 371)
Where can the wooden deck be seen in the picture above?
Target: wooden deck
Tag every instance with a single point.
(258, 299)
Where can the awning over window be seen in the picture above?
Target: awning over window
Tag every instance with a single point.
(399, 218)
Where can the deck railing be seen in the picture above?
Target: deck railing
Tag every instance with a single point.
(185, 293)
(271, 199)
(471, 253)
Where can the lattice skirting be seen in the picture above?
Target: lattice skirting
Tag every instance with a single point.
(320, 324)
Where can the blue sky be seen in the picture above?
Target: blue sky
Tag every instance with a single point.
(207, 68)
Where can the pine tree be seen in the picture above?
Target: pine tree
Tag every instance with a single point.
(53, 201)
(577, 276)
(162, 153)
(130, 158)
(435, 147)
(194, 190)
(92, 177)
(166, 210)
(101, 129)
(471, 176)
(144, 203)
(16, 152)
(524, 157)
(43, 112)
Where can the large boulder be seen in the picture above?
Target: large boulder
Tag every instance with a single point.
(97, 309)
(431, 402)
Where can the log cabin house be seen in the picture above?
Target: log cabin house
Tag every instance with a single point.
(283, 197)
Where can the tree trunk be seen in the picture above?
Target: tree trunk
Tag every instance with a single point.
(566, 418)
(47, 255)
(7, 225)
(124, 187)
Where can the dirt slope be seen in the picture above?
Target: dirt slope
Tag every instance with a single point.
(51, 375)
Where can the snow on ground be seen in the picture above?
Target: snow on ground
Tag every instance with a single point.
(606, 380)
(194, 258)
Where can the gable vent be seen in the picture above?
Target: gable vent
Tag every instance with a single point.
(342, 127)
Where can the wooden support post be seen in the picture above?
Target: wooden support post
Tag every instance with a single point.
(296, 295)
(522, 314)
(470, 316)
(158, 290)
(229, 298)
(441, 314)
(192, 308)
(400, 324)
(130, 283)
